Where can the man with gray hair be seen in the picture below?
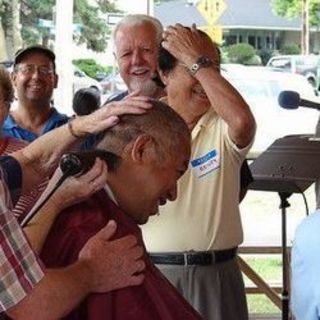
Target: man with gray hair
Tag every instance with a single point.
(136, 40)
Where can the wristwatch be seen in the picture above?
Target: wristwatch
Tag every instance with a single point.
(202, 62)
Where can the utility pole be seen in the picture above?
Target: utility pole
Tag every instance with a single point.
(305, 27)
(63, 51)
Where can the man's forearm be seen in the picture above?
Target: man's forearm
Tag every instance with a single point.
(40, 158)
(229, 105)
(56, 294)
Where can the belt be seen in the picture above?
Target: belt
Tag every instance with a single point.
(203, 258)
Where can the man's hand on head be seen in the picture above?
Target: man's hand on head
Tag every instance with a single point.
(132, 104)
(114, 264)
(187, 44)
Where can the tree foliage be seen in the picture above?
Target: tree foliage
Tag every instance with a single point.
(94, 30)
(91, 67)
(291, 48)
(243, 53)
(293, 8)
(88, 14)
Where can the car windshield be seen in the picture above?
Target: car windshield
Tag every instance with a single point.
(310, 61)
(261, 88)
(251, 89)
(253, 86)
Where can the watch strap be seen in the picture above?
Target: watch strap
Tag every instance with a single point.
(202, 62)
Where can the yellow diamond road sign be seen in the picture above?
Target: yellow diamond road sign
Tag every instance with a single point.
(214, 32)
(211, 10)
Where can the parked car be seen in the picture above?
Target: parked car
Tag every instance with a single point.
(260, 87)
(101, 75)
(306, 65)
(81, 80)
(113, 84)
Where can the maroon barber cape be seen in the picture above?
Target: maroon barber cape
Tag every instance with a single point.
(155, 299)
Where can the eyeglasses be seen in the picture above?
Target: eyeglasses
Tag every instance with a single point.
(30, 69)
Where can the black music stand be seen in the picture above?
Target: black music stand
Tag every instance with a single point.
(290, 165)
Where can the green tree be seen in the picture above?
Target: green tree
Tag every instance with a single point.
(91, 67)
(94, 30)
(88, 14)
(293, 8)
(10, 21)
(291, 48)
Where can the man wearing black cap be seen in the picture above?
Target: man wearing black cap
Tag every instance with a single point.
(34, 78)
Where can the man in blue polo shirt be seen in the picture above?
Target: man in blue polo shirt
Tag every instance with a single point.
(34, 78)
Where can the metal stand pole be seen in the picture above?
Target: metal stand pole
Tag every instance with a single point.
(285, 294)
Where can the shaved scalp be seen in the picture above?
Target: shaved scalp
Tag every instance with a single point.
(168, 130)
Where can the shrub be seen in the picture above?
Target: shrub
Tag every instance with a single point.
(254, 61)
(91, 68)
(241, 53)
(265, 55)
(291, 48)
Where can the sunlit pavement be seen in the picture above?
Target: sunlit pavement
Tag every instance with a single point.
(261, 216)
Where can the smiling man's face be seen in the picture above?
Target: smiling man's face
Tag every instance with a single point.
(34, 78)
(136, 51)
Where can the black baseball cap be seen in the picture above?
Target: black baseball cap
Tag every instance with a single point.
(20, 54)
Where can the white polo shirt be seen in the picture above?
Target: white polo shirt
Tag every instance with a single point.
(206, 214)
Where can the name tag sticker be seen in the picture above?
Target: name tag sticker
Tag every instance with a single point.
(206, 164)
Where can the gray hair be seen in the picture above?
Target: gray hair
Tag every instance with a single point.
(137, 20)
(161, 122)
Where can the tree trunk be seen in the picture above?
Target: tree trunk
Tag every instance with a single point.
(12, 28)
(305, 27)
(3, 49)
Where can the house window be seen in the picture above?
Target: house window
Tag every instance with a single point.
(259, 43)
(252, 40)
(277, 43)
(268, 43)
(231, 39)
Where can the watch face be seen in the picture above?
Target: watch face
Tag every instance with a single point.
(202, 62)
(194, 68)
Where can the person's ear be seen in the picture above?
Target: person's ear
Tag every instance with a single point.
(164, 76)
(13, 76)
(143, 148)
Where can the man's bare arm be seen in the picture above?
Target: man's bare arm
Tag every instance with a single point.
(40, 158)
(187, 45)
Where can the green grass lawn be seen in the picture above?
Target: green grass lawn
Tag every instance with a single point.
(270, 269)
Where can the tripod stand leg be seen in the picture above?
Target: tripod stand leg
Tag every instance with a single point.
(285, 295)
